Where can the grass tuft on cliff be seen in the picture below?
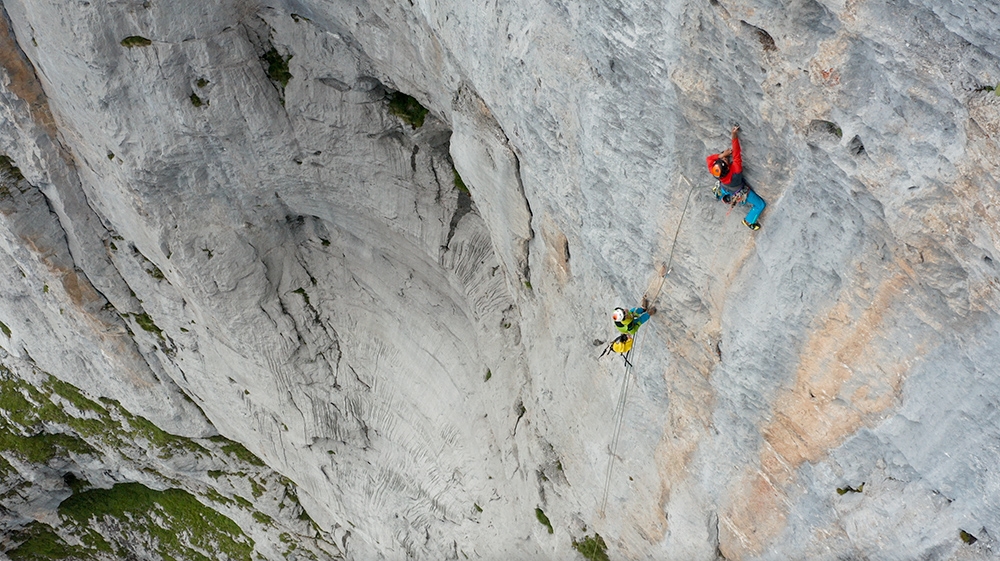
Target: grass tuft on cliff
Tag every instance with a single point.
(459, 184)
(238, 451)
(7, 167)
(409, 110)
(592, 548)
(136, 41)
(39, 543)
(544, 520)
(174, 519)
(277, 67)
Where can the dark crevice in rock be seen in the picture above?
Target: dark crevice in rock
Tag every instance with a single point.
(766, 41)
(520, 413)
(526, 270)
(856, 147)
(464, 207)
(358, 377)
(821, 127)
(823, 137)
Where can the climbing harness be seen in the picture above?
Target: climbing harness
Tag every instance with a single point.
(735, 199)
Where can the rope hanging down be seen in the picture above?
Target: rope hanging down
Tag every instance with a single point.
(623, 393)
(619, 416)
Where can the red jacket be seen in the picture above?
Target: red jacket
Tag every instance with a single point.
(735, 168)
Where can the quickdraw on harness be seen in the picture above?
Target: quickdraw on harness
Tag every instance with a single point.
(732, 199)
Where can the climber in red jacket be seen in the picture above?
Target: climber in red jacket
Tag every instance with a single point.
(733, 189)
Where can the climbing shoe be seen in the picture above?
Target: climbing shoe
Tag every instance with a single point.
(754, 226)
(651, 311)
(645, 303)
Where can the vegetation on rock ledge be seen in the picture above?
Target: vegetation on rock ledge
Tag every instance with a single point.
(544, 520)
(409, 110)
(277, 67)
(136, 41)
(173, 519)
(592, 548)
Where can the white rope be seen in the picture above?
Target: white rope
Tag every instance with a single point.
(630, 364)
(619, 417)
(651, 295)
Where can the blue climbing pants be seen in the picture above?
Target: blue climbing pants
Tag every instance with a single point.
(757, 205)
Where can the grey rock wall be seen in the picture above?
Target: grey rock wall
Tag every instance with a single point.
(226, 229)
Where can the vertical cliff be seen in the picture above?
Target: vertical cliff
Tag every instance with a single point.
(334, 277)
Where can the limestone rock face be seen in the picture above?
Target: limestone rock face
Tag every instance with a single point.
(217, 216)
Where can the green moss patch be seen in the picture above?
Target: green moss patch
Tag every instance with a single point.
(196, 101)
(39, 543)
(592, 548)
(459, 184)
(848, 489)
(172, 522)
(302, 292)
(42, 447)
(7, 167)
(5, 329)
(166, 442)
(544, 520)
(256, 489)
(277, 67)
(48, 419)
(238, 450)
(146, 323)
(408, 109)
(74, 396)
(136, 41)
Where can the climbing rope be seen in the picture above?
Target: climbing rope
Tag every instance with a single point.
(651, 295)
(630, 361)
(619, 417)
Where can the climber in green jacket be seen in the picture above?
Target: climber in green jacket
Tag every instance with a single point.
(629, 321)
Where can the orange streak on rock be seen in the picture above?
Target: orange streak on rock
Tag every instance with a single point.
(23, 82)
(846, 378)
